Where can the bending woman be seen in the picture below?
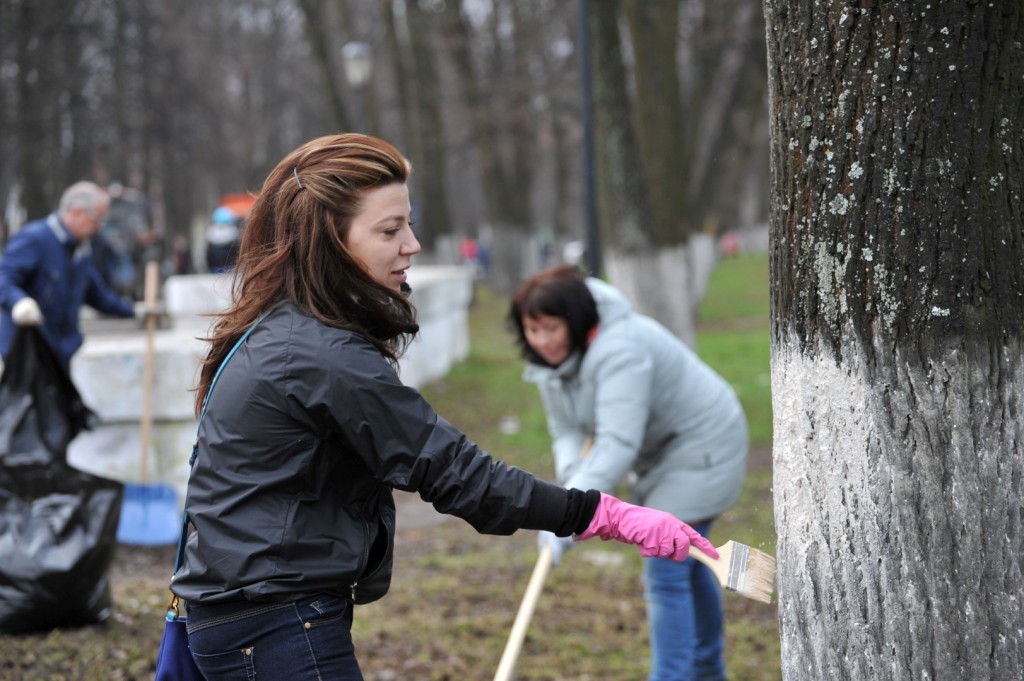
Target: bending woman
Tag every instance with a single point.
(654, 413)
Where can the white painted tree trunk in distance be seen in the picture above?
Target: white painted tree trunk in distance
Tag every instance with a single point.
(897, 243)
(668, 284)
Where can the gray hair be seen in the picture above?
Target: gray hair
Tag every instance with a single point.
(85, 195)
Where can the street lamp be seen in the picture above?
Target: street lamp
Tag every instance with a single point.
(357, 58)
(594, 263)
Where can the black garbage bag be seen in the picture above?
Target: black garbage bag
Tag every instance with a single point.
(58, 524)
(41, 411)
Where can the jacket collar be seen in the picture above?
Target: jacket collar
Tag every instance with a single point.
(538, 373)
(61, 232)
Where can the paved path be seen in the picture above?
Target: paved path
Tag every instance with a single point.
(414, 513)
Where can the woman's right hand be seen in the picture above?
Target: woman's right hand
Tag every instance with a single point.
(658, 534)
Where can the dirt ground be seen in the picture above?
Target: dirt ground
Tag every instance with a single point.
(447, 617)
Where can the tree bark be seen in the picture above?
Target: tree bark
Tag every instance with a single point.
(660, 270)
(660, 120)
(320, 44)
(897, 315)
(625, 205)
(430, 175)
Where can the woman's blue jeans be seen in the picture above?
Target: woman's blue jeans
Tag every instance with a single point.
(684, 611)
(310, 638)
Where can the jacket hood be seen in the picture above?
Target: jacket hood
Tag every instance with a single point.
(611, 304)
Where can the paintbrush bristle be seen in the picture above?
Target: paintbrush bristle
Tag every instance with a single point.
(751, 573)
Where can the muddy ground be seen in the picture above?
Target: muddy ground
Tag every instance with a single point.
(447, 618)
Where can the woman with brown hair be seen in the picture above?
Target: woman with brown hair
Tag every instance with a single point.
(305, 430)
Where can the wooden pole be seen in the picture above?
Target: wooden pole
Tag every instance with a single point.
(152, 286)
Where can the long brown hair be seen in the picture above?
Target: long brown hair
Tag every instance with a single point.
(293, 248)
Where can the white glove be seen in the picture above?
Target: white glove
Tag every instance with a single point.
(26, 312)
(144, 311)
(559, 545)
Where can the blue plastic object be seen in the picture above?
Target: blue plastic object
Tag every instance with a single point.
(150, 516)
(225, 216)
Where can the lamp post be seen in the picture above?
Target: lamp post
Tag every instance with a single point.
(357, 58)
(593, 255)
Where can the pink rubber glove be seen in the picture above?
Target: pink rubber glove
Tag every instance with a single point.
(658, 534)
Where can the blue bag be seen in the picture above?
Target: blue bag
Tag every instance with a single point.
(174, 661)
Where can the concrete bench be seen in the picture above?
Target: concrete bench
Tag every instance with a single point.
(108, 370)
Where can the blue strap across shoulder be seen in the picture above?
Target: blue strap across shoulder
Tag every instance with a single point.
(195, 444)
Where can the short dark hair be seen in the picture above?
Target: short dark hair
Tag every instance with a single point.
(560, 291)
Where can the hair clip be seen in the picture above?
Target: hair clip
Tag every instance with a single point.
(295, 172)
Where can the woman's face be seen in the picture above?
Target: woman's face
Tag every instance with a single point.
(548, 337)
(381, 235)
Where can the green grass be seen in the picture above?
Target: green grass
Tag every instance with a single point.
(733, 336)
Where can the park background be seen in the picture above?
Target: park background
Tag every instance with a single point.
(500, 107)
(643, 131)
(455, 593)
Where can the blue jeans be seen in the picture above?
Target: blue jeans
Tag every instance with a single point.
(310, 638)
(684, 611)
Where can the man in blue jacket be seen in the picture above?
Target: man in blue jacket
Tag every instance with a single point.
(47, 273)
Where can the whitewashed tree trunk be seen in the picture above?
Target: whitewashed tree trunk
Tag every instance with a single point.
(897, 253)
(897, 243)
(667, 284)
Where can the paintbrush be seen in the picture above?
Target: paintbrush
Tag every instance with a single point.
(739, 568)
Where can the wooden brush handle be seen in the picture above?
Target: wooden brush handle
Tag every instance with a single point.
(702, 557)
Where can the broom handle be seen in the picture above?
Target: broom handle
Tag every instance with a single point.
(152, 284)
(515, 639)
(540, 572)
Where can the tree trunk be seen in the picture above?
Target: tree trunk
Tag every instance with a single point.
(430, 176)
(663, 277)
(496, 100)
(897, 315)
(320, 44)
(660, 120)
(623, 199)
(34, 57)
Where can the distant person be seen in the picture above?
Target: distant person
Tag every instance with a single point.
(483, 257)
(47, 273)
(730, 244)
(624, 396)
(307, 429)
(467, 250)
(222, 240)
(573, 252)
(181, 256)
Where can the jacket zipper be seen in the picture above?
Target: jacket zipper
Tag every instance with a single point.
(365, 560)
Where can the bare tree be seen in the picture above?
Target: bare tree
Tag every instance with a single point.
(492, 76)
(626, 213)
(434, 216)
(897, 353)
(320, 33)
(666, 124)
(192, 100)
(729, 115)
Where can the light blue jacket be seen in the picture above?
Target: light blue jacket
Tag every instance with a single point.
(653, 408)
(42, 261)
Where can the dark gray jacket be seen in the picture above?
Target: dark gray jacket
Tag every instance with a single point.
(307, 432)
